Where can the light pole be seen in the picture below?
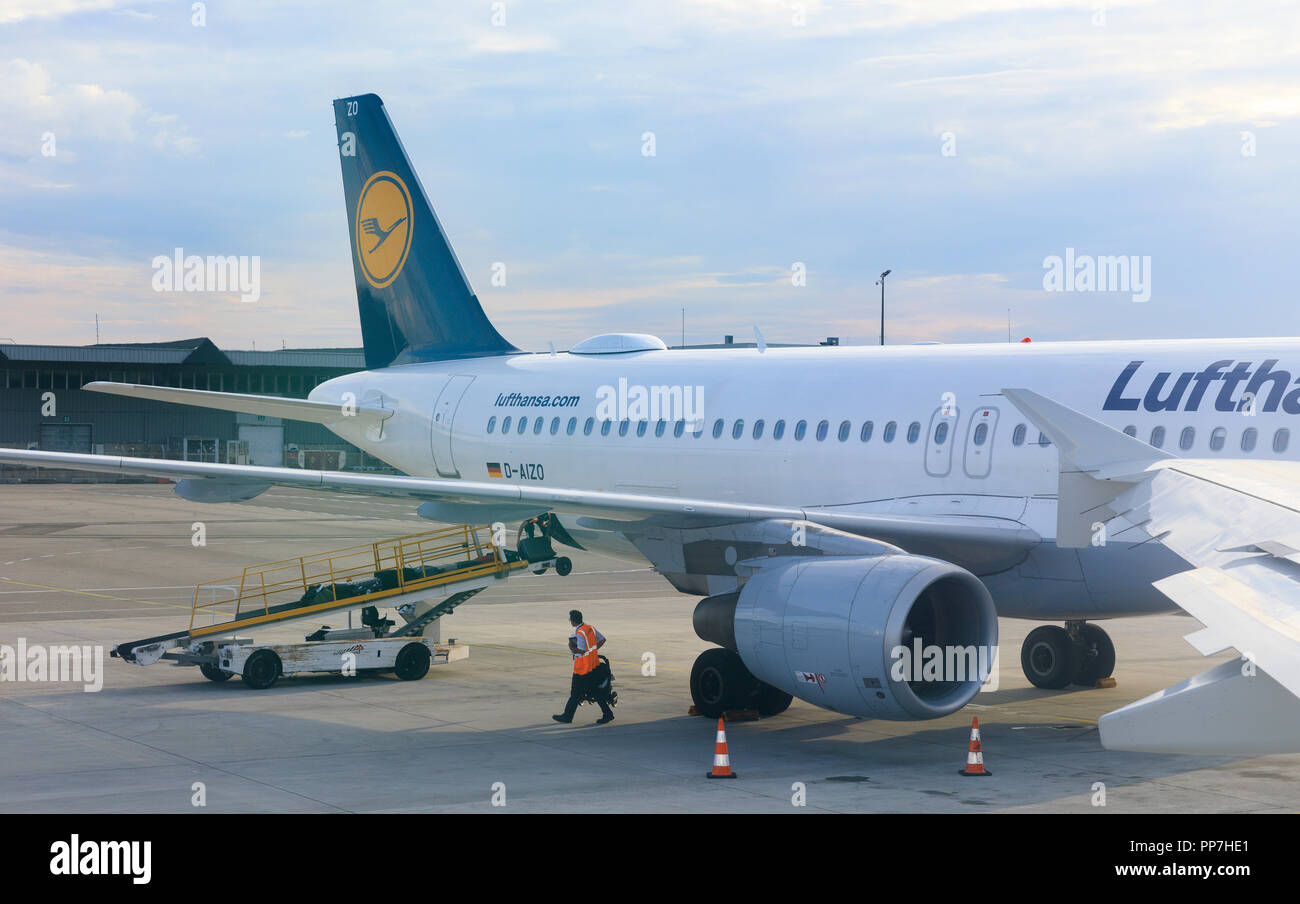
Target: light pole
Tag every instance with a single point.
(881, 282)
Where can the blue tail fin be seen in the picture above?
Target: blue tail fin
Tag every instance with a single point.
(415, 302)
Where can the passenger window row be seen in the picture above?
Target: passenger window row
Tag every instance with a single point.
(522, 425)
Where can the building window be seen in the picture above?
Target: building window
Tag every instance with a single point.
(1248, 438)
(913, 431)
(865, 435)
(1186, 438)
(890, 429)
(1157, 436)
(1218, 436)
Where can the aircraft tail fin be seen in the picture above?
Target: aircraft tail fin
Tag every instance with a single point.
(414, 300)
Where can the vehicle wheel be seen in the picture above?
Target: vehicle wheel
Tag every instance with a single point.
(1049, 658)
(563, 566)
(1097, 660)
(771, 701)
(262, 670)
(214, 672)
(719, 682)
(412, 662)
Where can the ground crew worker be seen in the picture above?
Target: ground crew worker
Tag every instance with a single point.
(583, 644)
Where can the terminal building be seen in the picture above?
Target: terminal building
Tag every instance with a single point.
(42, 404)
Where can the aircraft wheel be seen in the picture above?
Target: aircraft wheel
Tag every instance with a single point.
(262, 670)
(213, 672)
(1049, 658)
(771, 701)
(1097, 660)
(412, 662)
(719, 682)
(563, 566)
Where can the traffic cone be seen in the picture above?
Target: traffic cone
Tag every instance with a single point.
(721, 761)
(975, 758)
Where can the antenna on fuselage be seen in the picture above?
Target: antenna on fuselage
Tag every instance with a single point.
(758, 340)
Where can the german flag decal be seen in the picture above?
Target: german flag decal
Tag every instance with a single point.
(494, 469)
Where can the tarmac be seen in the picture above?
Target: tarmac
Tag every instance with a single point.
(99, 564)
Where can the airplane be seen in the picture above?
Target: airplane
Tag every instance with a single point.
(1237, 522)
(831, 506)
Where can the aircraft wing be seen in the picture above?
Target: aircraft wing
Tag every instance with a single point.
(984, 545)
(268, 406)
(1238, 523)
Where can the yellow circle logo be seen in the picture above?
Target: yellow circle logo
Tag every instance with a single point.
(383, 228)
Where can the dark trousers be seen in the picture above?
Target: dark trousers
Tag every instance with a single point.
(582, 686)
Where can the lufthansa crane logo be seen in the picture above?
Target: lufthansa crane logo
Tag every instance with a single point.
(383, 228)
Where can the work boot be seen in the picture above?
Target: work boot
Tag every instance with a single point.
(565, 719)
(604, 719)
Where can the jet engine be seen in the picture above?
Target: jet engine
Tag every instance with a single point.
(893, 636)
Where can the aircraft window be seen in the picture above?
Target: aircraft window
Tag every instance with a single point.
(821, 430)
(1248, 437)
(1043, 440)
(1280, 440)
(586, 428)
(537, 425)
(1217, 438)
(800, 429)
(555, 425)
(738, 429)
(913, 431)
(758, 429)
(573, 425)
(845, 427)
(523, 425)
(678, 429)
(941, 433)
(890, 429)
(717, 428)
(604, 427)
(660, 427)
(492, 423)
(1186, 438)
(641, 427)
(778, 430)
(1132, 431)
(1157, 436)
(622, 427)
(866, 431)
(1018, 435)
(505, 424)
(697, 430)
(981, 433)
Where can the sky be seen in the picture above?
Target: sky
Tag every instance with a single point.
(958, 144)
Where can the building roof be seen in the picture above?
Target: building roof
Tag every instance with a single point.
(200, 351)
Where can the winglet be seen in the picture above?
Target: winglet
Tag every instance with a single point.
(1097, 464)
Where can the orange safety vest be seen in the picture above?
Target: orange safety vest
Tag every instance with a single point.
(583, 663)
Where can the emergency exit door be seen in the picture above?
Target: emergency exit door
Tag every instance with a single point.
(979, 442)
(444, 416)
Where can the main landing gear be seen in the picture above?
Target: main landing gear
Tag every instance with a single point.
(1080, 653)
(720, 682)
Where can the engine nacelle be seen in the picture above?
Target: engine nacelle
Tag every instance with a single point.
(856, 635)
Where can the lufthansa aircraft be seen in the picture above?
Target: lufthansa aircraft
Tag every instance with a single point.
(831, 505)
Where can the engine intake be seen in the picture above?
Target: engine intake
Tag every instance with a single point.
(892, 636)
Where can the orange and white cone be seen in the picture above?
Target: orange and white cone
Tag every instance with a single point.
(721, 761)
(975, 757)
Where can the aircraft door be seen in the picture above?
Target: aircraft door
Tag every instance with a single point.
(940, 440)
(444, 415)
(979, 441)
